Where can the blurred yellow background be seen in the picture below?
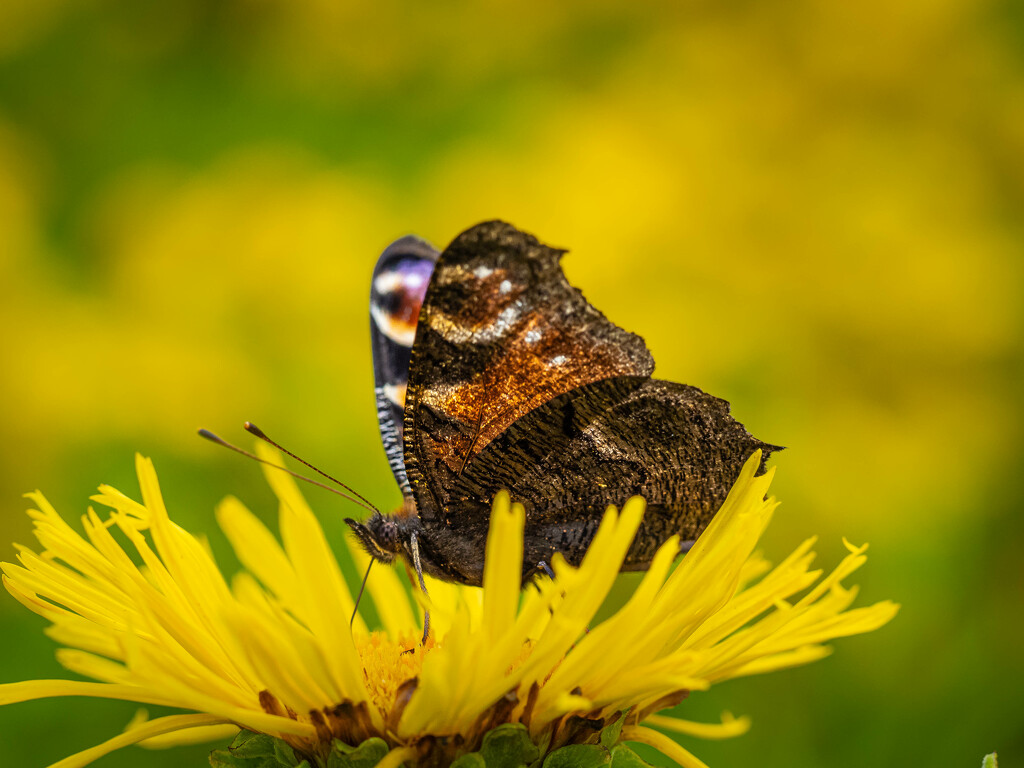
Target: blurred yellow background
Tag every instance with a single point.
(813, 210)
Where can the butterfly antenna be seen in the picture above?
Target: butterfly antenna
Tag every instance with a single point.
(252, 429)
(360, 501)
(359, 597)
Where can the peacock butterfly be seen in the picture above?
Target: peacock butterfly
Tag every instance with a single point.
(492, 372)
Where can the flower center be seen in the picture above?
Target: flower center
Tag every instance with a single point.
(388, 664)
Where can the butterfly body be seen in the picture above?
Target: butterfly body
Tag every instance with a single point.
(516, 382)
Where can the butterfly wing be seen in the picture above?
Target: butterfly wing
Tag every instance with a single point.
(673, 444)
(501, 332)
(399, 284)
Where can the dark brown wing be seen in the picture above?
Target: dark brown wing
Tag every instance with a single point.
(673, 444)
(500, 333)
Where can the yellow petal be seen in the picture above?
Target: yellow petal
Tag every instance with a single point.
(730, 726)
(503, 567)
(29, 690)
(327, 610)
(200, 734)
(396, 757)
(663, 744)
(153, 728)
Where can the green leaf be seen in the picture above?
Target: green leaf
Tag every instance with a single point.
(508, 746)
(610, 735)
(222, 758)
(578, 756)
(242, 737)
(253, 745)
(366, 755)
(624, 757)
(989, 761)
(471, 760)
(255, 750)
(284, 754)
(545, 742)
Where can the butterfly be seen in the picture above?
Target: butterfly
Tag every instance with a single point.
(493, 372)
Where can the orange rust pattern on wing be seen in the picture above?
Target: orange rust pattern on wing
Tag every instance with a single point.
(534, 361)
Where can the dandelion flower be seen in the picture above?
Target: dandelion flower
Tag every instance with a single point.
(142, 609)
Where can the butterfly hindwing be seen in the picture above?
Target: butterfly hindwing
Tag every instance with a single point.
(501, 332)
(400, 281)
(566, 461)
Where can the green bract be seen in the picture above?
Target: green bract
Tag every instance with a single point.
(506, 746)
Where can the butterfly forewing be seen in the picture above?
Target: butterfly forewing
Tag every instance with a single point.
(501, 332)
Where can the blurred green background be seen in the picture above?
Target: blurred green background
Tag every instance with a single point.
(810, 209)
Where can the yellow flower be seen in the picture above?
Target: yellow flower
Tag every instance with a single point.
(273, 652)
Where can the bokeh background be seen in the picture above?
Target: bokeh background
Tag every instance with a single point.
(813, 210)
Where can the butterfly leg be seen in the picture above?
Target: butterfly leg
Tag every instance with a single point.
(415, 547)
(543, 566)
(533, 574)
